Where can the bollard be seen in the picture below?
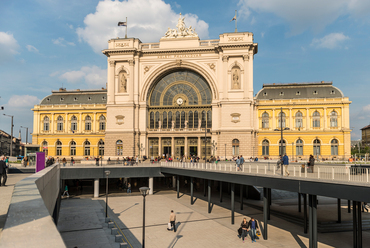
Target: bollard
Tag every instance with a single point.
(118, 238)
(114, 231)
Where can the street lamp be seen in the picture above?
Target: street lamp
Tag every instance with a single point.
(205, 143)
(281, 140)
(11, 138)
(144, 191)
(26, 134)
(107, 172)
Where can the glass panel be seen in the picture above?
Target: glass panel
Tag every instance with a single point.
(203, 125)
(182, 119)
(281, 120)
(209, 119)
(164, 124)
(156, 121)
(177, 125)
(196, 119)
(151, 120)
(191, 120)
(170, 119)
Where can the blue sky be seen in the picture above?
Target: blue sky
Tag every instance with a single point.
(47, 44)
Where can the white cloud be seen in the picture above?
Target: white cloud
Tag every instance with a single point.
(93, 76)
(62, 42)
(330, 41)
(31, 48)
(366, 108)
(307, 14)
(148, 20)
(24, 101)
(53, 74)
(262, 34)
(8, 46)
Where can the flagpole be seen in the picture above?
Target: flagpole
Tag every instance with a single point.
(236, 19)
(126, 28)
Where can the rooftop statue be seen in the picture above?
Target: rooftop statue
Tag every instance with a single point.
(181, 32)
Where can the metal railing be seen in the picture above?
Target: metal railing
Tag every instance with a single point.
(344, 173)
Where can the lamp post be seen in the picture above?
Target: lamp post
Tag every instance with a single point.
(26, 134)
(107, 172)
(11, 135)
(281, 139)
(205, 144)
(225, 152)
(144, 191)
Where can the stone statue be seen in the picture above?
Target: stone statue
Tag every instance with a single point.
(200, 123)
(181, 32)
(236, 84)
(123, 83)
(173, 124)
(186, 124)
(159, 124)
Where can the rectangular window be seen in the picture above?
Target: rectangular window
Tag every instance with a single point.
(60, 126)
(102, 126)
(59, 151)
(284, 150)
(73, 151)
(334, 150)
(265, 150)
(299, 150)
(46, 126)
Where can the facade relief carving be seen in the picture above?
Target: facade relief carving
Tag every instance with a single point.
(212, 66)
(246, 57)
(235, 78)
(112, 62)
(178, 62)
(225, 58)
(131, 62)
(146, 69)
(122, 82)
(181, 32)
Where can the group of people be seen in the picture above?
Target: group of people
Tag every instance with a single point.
(283, 161)
(239, 162)
(251, 226)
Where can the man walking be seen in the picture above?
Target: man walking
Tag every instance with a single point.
(241, 162)
(173, 220)
(286, 163)
(238, 164)
(3, 175)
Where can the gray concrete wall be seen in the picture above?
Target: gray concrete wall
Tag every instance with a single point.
(29, 222)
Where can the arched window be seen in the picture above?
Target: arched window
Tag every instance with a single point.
(101, 147)
(299, 120)
(45, 147)
(151, 122)
(119, 147)
(196, 119)
(183, 119)
(265, 147)
(204, 120)
(334, 147)
(59, 148)
(333, 119)
(164, 124)
(88, 123)
(102, 123)
(170, 119)
(281, 120)
(316, 119)
(156, 120)
(46, 123)
(60, 123)
(73, 123)
(282, 152)
(235, 145)
(316, 147)
(87, 148)
(209, 119)
(265, 120)
(299, 147)
(191, 119)
(177, 124)
(72, 149)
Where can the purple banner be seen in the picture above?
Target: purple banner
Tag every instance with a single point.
(40, 161)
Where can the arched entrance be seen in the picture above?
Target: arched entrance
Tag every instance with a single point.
(179, 115)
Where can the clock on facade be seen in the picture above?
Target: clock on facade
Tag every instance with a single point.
(179, 101)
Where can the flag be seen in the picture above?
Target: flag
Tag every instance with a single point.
(234, 18)
(122, 24)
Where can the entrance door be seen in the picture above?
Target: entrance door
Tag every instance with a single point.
(167, 151)
(193, 151)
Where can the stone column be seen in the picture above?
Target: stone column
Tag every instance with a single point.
(96, 188)
(225, 59)
(325, 119)
(199, 147)
(173, 181)
(290, 119)
(273, 119)
(52, 130)
(160, 147)
(130, 86)
(110, 82)
(307, 119)
(173, 148)
(186, 147)
(150, 185)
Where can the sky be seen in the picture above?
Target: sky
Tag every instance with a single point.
(48, 44)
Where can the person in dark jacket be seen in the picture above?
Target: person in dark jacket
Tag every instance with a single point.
(3, 175)
(253, 225)
(244, 226)
(311, 162)
(286, 164)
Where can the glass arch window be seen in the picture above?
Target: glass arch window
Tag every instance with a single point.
(60, 122)
(101, 147)
(191, 120)
(170, 119)
(281, 120)
(151, 120)
(177, 121)
(72, 148)
(209, 119)
(299, 147)
(282, 151)
(316, 147)
(333, 119)
(183, 119)
(265, 147)
(265, 120)
(316, 119)
(102, 123)
(164, 124)
(58, 148)
(334, 147)
(46, 123)
(235, 145)
(196, 119)
(88, 123)
(119, 147)
(87, 148)
(45, 147)
(299, 120)
(156, 120)
(73, 123)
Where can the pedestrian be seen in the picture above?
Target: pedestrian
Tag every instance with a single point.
(311, 162)
(238, 164)
(72, 161)
(173, 220)
(137, 160)
(64, 162)
(286, 164)
(97, 161)
(65, 191)
(279, 163)
(241, 162)
(3, 175)
(244, 227)
(253, 225)
(25, 161)
(364, 207)
(129, 188)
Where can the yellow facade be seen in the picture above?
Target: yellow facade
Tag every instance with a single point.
(329, 128)
(79, 138)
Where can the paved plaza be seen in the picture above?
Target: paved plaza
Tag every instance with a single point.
(196, 228)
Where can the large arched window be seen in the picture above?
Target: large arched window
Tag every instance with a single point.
(333, 119)
(46, 123)
(87, 148)
(316, 119)
(265, 148)
(282, 151)
(74, 123)
(299, 147)
(58, 148)
(45, 147)
(235, 145)
(334, 147)
(265, 120)
(316, 147)
(72, 148)
(60, 122)
(102, 123)
(299, 120)
(281, 120)
(101, 147)
(88, 123)
(119, 147)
